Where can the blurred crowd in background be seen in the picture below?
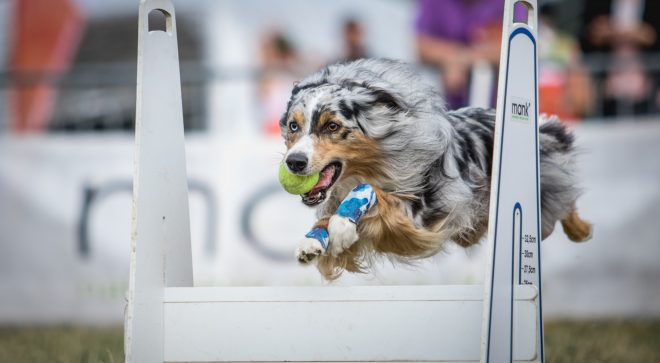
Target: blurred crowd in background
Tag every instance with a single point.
(66, 66)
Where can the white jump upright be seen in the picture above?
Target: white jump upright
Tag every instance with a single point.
(169, 320)
(160, 242)
(514, 225)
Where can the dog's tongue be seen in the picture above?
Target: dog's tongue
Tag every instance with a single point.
(324, 180)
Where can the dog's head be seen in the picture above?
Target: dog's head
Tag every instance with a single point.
(323, 135)
(355, 122)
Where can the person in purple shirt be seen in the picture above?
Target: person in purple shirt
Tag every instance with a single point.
(454, 34)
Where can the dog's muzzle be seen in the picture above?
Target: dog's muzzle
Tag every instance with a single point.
(329, 176)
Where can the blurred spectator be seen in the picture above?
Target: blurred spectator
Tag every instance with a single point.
(564, 86)
(278, 52)
(627, 29)
(453, 35)
(353, 38)
(280, 62)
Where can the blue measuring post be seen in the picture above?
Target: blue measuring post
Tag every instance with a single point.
(514, 226)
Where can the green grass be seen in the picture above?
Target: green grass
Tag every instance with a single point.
(610, 341)
(592, 342)
(61, 345)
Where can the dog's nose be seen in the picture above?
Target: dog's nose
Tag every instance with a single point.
(296, 162)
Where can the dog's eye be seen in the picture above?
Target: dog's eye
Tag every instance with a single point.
(293, 127)
(332, 127)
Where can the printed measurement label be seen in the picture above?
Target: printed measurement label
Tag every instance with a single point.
(528, 260)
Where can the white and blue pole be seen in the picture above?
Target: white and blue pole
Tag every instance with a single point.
(514, 226)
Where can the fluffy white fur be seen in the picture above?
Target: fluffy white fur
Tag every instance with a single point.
(308, 249)
(342, 234)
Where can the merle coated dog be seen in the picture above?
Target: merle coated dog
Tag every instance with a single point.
(375, 121)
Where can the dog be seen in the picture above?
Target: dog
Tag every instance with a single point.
(375, 121)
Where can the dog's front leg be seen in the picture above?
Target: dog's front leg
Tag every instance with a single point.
(342, 227)
(315, 242)
(336, 234)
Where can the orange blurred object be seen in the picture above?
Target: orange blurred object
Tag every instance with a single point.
(273, 128)
(552, 94)
(46, 34)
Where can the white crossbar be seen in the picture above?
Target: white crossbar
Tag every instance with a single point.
(382, 323)
(169, 320)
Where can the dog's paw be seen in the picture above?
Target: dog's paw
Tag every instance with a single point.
(343, 233)
(308, 250)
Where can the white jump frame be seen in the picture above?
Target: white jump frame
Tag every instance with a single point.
(169, 320)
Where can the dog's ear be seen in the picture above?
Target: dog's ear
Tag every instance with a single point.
(388, 98)
(377, 95)
(372, 107)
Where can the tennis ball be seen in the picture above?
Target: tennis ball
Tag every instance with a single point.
(297, 184)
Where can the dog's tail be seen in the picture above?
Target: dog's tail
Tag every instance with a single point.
(576, 228)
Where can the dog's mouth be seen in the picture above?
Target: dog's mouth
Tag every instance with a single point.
(327, 179)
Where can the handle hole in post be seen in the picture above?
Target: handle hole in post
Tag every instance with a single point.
(160, 20)
(522, 12)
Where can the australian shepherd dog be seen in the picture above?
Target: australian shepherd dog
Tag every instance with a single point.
(375, 121)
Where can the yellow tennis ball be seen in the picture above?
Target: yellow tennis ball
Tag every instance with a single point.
(297, 184)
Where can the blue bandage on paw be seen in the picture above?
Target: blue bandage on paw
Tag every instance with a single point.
(357, 203)
(319, 234)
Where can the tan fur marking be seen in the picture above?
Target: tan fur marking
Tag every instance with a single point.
(361, 156)
(577, 229)
(299, 118)
(392, 231)
(325, 117)
(292, 138)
